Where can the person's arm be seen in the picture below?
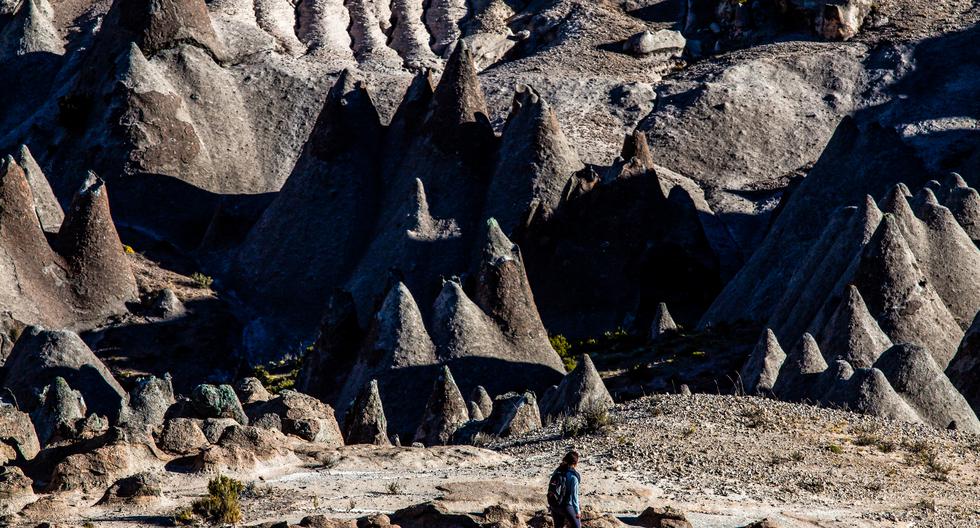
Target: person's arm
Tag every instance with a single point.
(573, 493)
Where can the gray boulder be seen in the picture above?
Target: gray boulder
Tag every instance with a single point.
(18, 439)
(251, 390)
(218, 401)
(57, 417)
(16, 490)
(149, 401)
(482, 400)
(182, 436)
(514, 415)
(213, 428)
(663, 324)
(665, 41)
(304, 416)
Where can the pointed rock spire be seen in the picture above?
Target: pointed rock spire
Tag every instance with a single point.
(868, 391)
(635, 158)
(503, 292)
(915, 375)
(445, 412)
(59, 412)
(800, 370)
(581, 390)
(964, 370)
(534, 165)
(663, 324)
(348, 117)
(46, 205)
(30, 31)
(409, 36)
(760, 372)
(443, 19)
(22, 231)
(964, 203)
(162, 24)
(461, 329)
(400, 332)
(924, 197)
(421, 224)
(366, 423)
(852, 334)
(322, 26)
(482, 399)
(900, 298)
(458, 98)
(369, 42)
(89, 242)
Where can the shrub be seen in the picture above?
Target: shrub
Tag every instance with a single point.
(835, 449)
(128, 249)
(564, 349)
(593, 419)
(221, 505)
(201, 280)
(394, 488)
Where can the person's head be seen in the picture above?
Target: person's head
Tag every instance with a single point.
(570, 459)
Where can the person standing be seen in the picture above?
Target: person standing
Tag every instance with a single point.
(563, 493)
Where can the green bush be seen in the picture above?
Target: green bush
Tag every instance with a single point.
(221, 505)
(594, 419)
(564, 349)
(201, 280)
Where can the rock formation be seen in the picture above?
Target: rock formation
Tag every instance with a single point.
(18, 439)
(482, 400)
(803, 365)
(365, 422)
(663, 324)
(760, 372)
(304, 416)
(49, 211)
(218, 401)
(964, 370)
(445, 412)
(514, 415)
(852, 334)
(581, 390)
(59, 412)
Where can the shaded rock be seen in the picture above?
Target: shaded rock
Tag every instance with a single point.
(900, 298)
(514, 415)
(269, 420)
(18, 439)
(166, 305)
(443, 18)
(243, 448)
(663, 42)
(30, 31)
(535, 164)
(218, 401)
(59, 413)
(149, 401)
(251, 390)
(761, 370)
(49, 212)
(764, 523)
(852, 334)
(964, 203)
(663, 324)
(162, 24)
(964, 370)
(368, 40)
(458, 98)
(431, 515)
(42, 355)
(663, 517)
(579, 391)
(476, 414)
(914, 374)
(445, 412)
(103, 279)
(213, 428)
(868, 391)
(96, 470)
(366, 423)
(802, 367)
(322, 521)
(182, 436)
(482, 400)
(409, 36)
(305, 416)
(140, 487)
(16, 490)
(842, 20)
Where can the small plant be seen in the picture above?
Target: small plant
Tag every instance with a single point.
(835, 449)
(201, 280)
(886, 446)
(593, 419)
(481, 439)
(394, 488)
(351, 505)
(689, 431)
(221, 505)
(564, 349)
(797, 456)
(866, 439)
(128, 249)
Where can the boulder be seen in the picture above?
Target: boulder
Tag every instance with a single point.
(182, 436)
(581, 390)
(431, 515)
(514, 415)
(166, 305)
(842, 19)
(445, 412)
(16, 490)
(663, 517)
(59, 414)
(322, 521)
(41, 355)
(18, 439)
(761, 370)
(251, 390)
(242, 449)
(96, 470)
(218, 401)
(665, 42)
(149, 401)
(764, 523)
(304, 416)
(663, 324)
(142, 487)
(213, 428)
(366, 423)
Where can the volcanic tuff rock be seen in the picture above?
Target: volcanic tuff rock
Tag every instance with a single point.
(803, 365)
(49, 211)
(365, 422)
(482, 400)
(514, 415)
(149, 401)
(445, 412)
(59, 412)
(852, 334)
(304, 416)
(42, 355)
(16, 490)
(580, 390)
(761, 370)
(964, 369)
(218, 401)
(663, 324)
(18, 440)
(182, 436)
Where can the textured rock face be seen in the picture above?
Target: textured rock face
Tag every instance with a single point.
(149, 402)
(30, 31)
(49, 211)
(921, 382)
(445, 412)
(366, 423)
(18, 440)
(162, 24)
(802, 366)
(664, 41)
(514, 415)
(852, 334)
(964, 370)
(182, 436)
(581, 390)
(760, 372)
(16, 490)
(663, 324)
(251, 390)
(42, 355)
(242, 449)
(482, 398)
(305, 417)
(59, 413)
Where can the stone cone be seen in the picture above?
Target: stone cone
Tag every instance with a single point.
(482, 400)
(49, 211)
(760, 372)
(852, 334)
(663, 324)
(445, 412)
(30, 31)
(964, 370)
(802, 367)
(964, 203)
(580, 391)
(366, 423)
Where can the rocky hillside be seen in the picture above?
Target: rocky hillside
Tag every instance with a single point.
(330, 245)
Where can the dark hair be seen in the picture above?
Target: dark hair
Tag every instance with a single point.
(570, 459)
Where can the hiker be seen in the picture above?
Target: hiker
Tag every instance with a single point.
(563, 493)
